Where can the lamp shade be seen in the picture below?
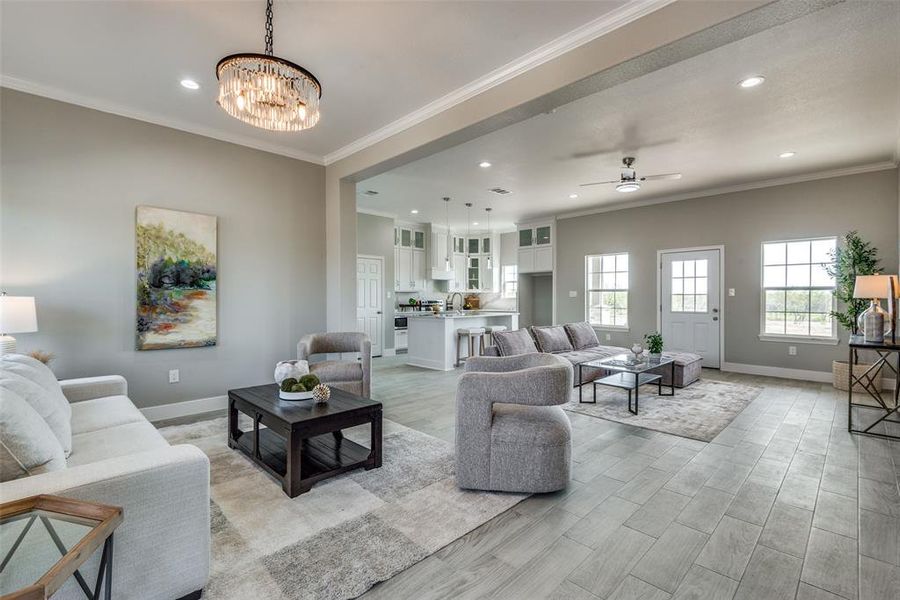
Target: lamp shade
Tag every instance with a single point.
(17, 314)
(872, 286)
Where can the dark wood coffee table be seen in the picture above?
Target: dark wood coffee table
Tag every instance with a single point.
(300, 442)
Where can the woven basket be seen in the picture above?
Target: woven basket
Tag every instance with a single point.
(840, 374)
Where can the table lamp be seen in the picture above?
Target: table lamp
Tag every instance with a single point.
(872, 320)
(17, 315)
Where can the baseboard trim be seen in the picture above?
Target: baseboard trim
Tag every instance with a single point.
(185, 409)
(784, 373)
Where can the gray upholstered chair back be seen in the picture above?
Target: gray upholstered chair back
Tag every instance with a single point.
(533, 452)
(331, 371)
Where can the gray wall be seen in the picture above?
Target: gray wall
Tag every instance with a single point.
(375, 236)
(71, 179)
(740, 221)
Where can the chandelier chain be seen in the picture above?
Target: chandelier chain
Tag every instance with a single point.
(270, 43)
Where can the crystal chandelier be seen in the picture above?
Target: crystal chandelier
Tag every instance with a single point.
(266, 91)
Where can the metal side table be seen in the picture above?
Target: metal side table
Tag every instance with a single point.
(885, 351)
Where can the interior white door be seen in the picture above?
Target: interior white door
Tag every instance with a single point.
(690, 304)
(369, 300)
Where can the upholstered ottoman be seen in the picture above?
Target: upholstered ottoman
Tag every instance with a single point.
(687, 368)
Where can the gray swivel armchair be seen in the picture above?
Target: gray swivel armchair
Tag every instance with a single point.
(351, 376)
(511, 434)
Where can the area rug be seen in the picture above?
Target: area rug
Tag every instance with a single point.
(699, 411)
(343, 536)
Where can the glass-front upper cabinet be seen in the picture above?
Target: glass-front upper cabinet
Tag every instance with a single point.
(459, 245)
(473, 274)
(486, 245)
(406, 238)
(396, 236)
(542, 235)
(419, 240)
(526, 238)
(473, 245)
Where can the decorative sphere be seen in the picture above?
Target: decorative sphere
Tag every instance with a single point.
(321, 393)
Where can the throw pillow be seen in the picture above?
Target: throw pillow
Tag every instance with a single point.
(28, 446)
(582, 335)
(515, 342)
(552, 339)
(35, 383)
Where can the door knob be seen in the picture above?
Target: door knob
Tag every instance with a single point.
(715, 310)
(715, 318)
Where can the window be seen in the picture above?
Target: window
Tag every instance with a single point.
(690, 283)
(607, 290)
(797, 291)
(510, 281)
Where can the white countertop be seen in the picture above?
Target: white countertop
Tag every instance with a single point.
(468, 314)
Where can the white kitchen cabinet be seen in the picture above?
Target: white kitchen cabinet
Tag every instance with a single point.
(419, 274)
(459, 273)
(401, 339)
(535, 252)
(403, 268)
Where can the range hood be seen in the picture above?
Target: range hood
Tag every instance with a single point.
(441, 275)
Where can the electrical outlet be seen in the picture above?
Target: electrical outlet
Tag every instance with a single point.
(173, 376)
(573, 293)
(731, 292)
(608, 337)
(792, 350)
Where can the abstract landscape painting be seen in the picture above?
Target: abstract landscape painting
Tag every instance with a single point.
(176, 279)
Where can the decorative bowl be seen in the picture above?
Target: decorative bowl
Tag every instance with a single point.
(295, 395)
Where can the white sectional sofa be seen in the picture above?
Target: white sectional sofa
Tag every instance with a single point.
(113, 456)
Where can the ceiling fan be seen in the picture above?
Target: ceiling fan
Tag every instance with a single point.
(629, 181)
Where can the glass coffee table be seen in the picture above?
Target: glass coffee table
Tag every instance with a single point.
(44, 540)
(630, 375)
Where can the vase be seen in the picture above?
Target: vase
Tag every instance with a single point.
(872, 322)
(290, 368)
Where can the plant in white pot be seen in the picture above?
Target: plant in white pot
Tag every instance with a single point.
(853, 256)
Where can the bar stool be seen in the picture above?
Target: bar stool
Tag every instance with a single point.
(489, 332)
(472, 333)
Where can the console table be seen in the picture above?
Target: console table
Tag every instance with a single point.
(885, 351)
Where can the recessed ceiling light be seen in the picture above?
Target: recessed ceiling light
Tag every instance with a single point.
(190, 84)
(414, 211)
(573, 196)
(752, 81)
(475, 223)
(628, 186)
(484, 164)
(787, 154)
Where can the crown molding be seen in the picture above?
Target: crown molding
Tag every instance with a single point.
(577, 37)
(29, 87)
(742, 187)
(375, 213)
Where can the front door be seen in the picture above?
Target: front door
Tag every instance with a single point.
(369, 299)
(689, 303)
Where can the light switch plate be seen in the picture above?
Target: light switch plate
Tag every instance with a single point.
(792, 350)
(173, 376)
(731, 292)
(608, 337)
(573, 294)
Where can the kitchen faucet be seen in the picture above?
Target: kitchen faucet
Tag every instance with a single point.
(450, 301)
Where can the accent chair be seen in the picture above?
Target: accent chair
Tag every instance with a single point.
(354, 376)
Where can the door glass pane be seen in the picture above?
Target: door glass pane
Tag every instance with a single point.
(689, 268)
(678, 285)
(688, 303)
(689, 285)
(543, 235)
(701, 267)
(701, 285)
(700, 301)
(420, 239)
(677, 303)
(405, 238)
(677, 268)
(526, 237)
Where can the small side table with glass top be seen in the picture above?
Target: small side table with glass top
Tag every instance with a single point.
(44, 540)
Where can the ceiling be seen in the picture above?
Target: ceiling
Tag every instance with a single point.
(377, 61)
(832, 95)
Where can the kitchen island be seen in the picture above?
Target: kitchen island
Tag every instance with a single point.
(432, 338)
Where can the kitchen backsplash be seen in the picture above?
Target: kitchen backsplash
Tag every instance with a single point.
(492, 301)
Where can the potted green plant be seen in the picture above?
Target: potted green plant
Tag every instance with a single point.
(853, 256)
(654, 343)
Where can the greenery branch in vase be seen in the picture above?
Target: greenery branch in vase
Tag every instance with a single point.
(853, 256)
(654, 343)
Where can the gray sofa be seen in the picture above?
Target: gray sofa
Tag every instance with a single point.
(511, 434)
(354, 376)
(578, 343)
(85, 439)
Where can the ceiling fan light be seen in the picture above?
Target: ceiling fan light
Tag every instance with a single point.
(628, 186)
